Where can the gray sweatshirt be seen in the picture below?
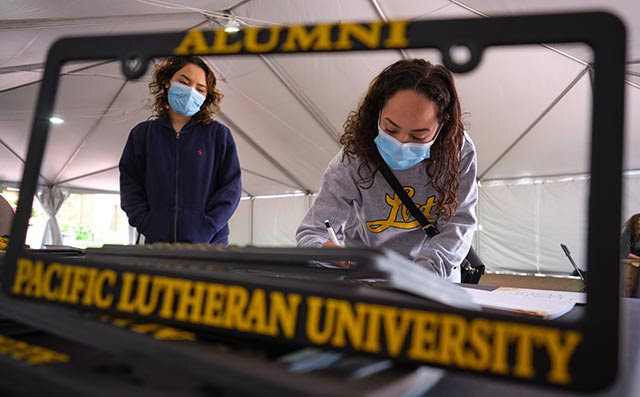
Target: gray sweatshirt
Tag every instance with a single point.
(376, 217)
(627, 246)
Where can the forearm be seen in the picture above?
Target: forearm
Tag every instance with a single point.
(334, 203)
(446, 251)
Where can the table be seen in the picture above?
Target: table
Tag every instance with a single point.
(627, 384)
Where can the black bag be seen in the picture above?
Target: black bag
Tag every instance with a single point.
(471, 268)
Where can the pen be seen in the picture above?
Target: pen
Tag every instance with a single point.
(332, 233)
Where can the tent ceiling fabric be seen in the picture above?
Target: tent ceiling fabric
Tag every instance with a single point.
(289, 109)
(627, 10)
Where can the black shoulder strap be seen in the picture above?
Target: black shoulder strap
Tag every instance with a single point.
(428, 228)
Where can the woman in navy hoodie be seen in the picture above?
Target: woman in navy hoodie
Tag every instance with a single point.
(179, 172)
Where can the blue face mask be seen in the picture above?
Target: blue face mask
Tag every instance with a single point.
(185, 100)
(401, 156)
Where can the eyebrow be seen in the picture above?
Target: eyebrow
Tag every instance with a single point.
(199, 85)
(397, 126)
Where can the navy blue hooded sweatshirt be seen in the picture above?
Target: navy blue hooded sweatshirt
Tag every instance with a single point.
(180, 187)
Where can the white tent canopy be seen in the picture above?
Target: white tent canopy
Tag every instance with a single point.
(527, 108)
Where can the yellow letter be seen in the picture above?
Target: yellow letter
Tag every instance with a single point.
(78, 284)
(87, 300)
(299, 39)
(397, 35)
(524, 337)
(36, 280)
(169, 333)
(189, 300)
(560, 355)
(500, 343)
(221, 45)
(423, 339)
(478, 339)
(23, 274)
(64, 284)
(47, 290)
(314, 308)
(256, 318)
(236, 303)
(41, 355)
(348, 323)
(371, 343)
(126, 303)
(214, 306)
(369, 37)
(284, 313)
(396, 333)
(193, 43)
(251, 43)
(99, 298)
(452, 339)
(171, 286)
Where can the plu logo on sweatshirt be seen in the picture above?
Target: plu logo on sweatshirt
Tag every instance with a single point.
(429, 209)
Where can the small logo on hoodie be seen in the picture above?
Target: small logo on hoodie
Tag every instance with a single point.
(199, 152)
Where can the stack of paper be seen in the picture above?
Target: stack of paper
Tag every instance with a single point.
(579, 298)
(541, 303)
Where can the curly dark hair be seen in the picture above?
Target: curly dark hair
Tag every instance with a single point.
(436, 83)
(634, 227)
(163, 73)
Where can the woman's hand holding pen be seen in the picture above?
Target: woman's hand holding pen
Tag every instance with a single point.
(334, 243)
(329, 244)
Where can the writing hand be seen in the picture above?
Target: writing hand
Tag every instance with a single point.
(329, 244)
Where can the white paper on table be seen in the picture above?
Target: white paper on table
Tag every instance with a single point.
(536, 306)
(579, 298)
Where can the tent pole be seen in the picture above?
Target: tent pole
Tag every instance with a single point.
(85, 67)
(268, 178)
(535, 122)
(97, 123)
(577, 175)
(302, 98)
(383, 16)
(46, 23)
(89, 133)
(238, 4)
(482, 14)
(592, 76)
(63, 74)
(86, 175)
(299, 95)
(251, 200)
(21, 68)
(238, 131)
(116, 167)
(16, 155)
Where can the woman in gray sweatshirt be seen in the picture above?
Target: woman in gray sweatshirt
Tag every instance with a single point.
(411, 116)
(630, 240)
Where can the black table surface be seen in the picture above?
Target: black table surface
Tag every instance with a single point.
(626, 385)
